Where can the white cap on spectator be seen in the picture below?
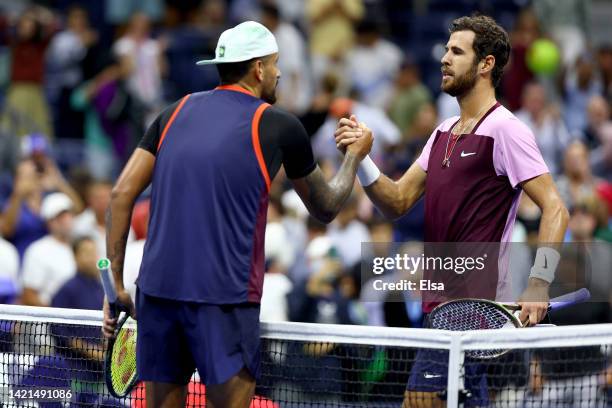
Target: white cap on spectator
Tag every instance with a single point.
(319, 247)
(55, 204)
(245, 41)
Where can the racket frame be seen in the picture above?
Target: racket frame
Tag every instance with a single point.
(116, 311)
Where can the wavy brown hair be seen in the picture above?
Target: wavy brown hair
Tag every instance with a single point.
(490, 39)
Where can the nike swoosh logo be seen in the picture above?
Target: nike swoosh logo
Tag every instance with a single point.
(464, 154)
(427, 375)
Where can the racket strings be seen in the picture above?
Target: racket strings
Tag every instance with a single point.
(471, 315)
(123, 360)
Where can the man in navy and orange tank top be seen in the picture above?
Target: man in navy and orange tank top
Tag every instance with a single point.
(210, 158)
(472, 172)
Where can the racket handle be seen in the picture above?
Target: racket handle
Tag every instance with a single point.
(108, 283)
(579, 296)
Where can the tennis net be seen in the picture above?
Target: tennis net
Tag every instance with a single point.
(312, 365)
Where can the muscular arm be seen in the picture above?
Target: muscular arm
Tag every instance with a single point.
(542, 191)
(135, 177)
(555, 216)
(395, 198)
(324, 199)
(392, 198)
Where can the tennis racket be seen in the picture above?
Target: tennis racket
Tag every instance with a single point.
(120, 359)
(481, 314)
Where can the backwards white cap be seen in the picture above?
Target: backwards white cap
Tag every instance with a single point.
(246, 41)
(54, 204)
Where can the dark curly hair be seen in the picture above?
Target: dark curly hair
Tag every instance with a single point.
(490, 39)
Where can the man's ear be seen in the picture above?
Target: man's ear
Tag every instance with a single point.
(487, 64)
(259, 69)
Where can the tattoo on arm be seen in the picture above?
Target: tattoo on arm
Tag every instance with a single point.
(324, 199)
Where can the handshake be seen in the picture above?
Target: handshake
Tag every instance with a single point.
(353, 137)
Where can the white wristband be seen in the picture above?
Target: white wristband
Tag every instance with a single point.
(545, 265)
(367, 172)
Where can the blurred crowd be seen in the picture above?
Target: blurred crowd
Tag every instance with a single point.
(80, 81)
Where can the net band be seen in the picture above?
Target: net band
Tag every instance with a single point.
(320, 365)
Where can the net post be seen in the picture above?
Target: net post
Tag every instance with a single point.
(455, 377)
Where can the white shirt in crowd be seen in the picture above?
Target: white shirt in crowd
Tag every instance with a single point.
(348, 241)
(47, 265)
(291, 62)
(372, 71)
(131, 265)
(274, 307)
(145, 80)
(9, 267)
(85, 225)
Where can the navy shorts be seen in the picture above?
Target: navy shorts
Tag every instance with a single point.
(176, 337)
(430, 374)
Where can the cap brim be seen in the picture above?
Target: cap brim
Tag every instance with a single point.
(216, 61)
(208, 62)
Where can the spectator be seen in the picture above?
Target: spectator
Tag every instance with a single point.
(372, 65)
(36, 176)
(65, 58)
(577, 180)
(409, 97)
(49, 262)
(135, 249)
(598, 114)
(294, 88)
(585, 225)
(277, 286)
(604, 61)
(9, 159)
(82, 347)
(9, 268)
(347, 233)
(109, 123)
(580, 86)
(544, 119)
(302, 268)
(25, 97)
(84, 290)
(120, 11)
(321, 101)
(517, 75)
(321, 299)
(331, 31)
(585, 220)
(198, 37)
(91, 222)
(387, 134)
(601, 158)
(142, 58)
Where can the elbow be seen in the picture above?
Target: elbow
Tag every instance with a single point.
(393, 213)
(327, 217)
(121, 197)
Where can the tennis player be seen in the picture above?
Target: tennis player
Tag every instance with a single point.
(472, 171)
(210, 158)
